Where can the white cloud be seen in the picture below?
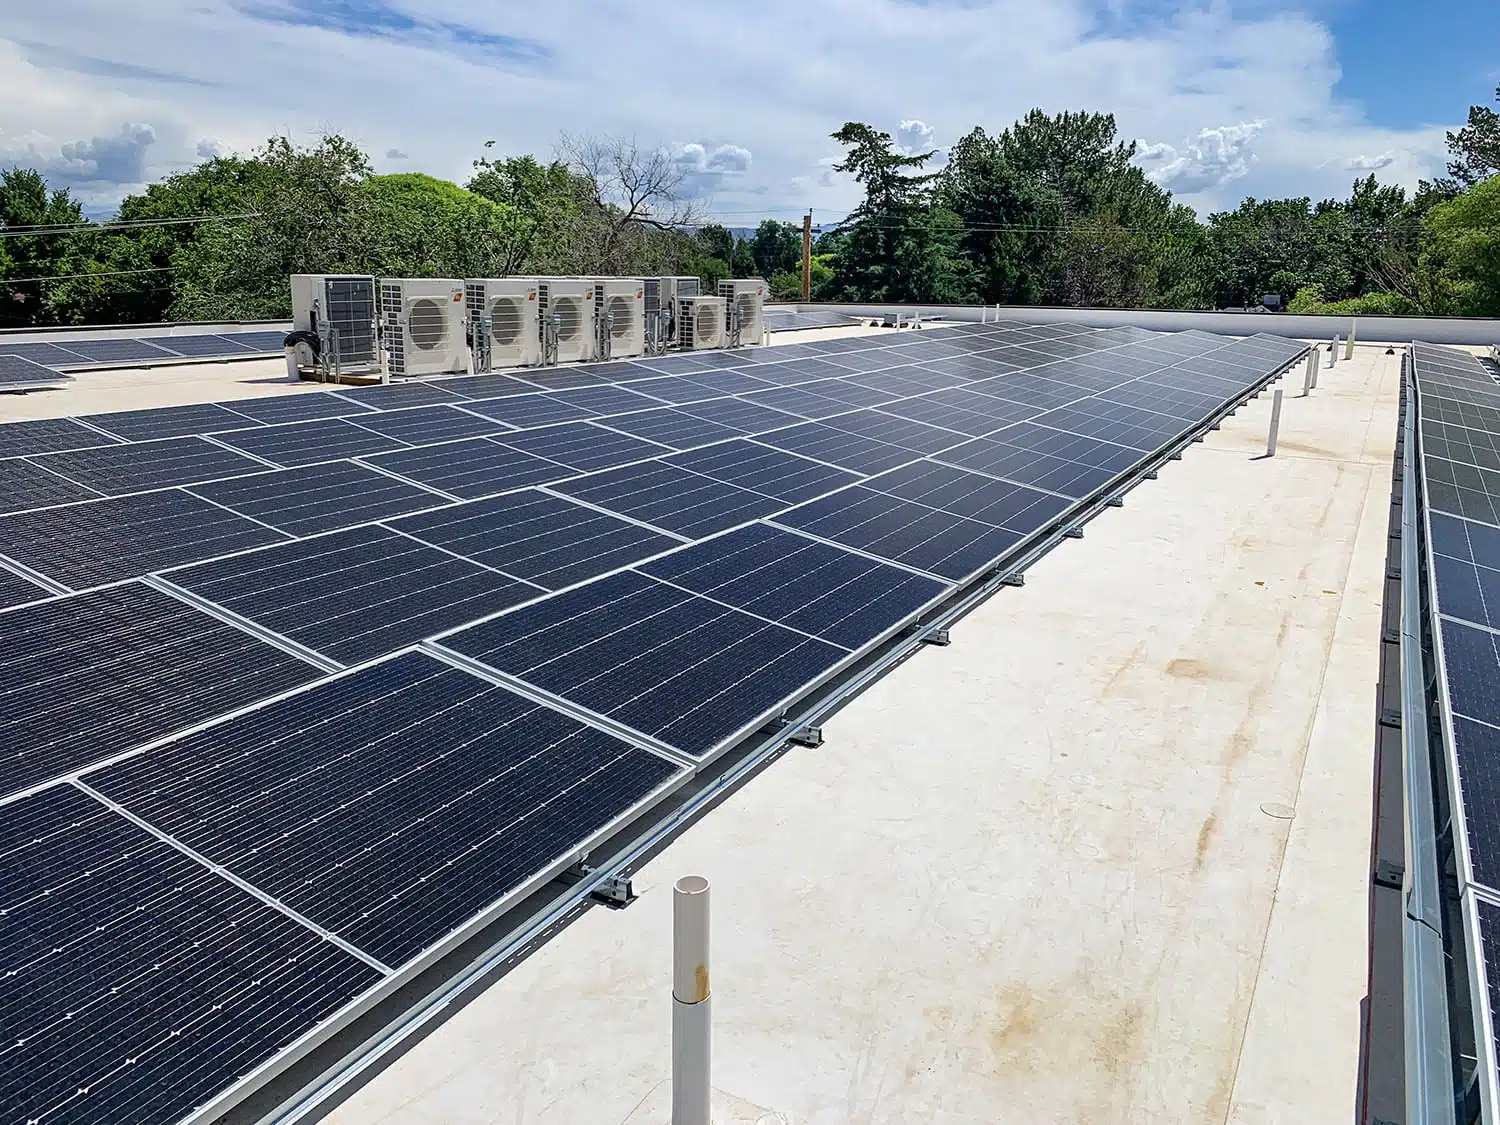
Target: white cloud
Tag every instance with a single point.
(207, 149)
(451, 75)
(1213, 158)
(914, 136)
(705, 169)
(108, 160)
(396, 154)
(1364, 163)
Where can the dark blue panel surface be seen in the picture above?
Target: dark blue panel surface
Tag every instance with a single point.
(760, 468)
(1473, 670)
(665, 662)
(100, 541)
(740, 415)
(48, 435)
(1042, 470)
(428, 425)
(890, 528)
(119, 351)
(136, 983)
(97, 674)
(672, 428)
(24, 485)
(841, 448)
(979, 497)
(394, 396)
(674, 499)
(392, 805)
(538, 537)
(308, 443)
(355, 594)
(118, 469)
(473, 468)
(1477, 749)
(203, 345)
(529, 410)
(169, 421)
(834, 594)
(318, 498)
(304, 407)
(15, 590)
(908, 433)
(582, 446)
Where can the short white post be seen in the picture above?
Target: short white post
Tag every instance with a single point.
(984, 314)
(917, 319)
(1275, 423)
(692, 1022)
(1310, 374)
(1333, 352)
(1349, 343)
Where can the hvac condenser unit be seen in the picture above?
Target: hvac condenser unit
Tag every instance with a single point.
(700, 322)
(746, 297)
(566, 307)
(424, 326)
(662, 294)
(504, 322)
(344, 302)
(620, 306)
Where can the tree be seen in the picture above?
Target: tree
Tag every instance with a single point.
(1476, 147)
(776, 248)
(418, 226)
(1460, 259)
(551, 206)
(25, 202)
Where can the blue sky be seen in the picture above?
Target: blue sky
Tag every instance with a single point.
(1227, 98)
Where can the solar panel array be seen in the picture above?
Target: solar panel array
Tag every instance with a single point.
(790, 320)
(1458, 405)
(299, 692)
(132, 351)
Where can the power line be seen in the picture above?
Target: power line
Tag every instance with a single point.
(39, 230)
(75, 276)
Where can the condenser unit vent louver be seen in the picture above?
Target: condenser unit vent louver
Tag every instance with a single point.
(567, 311)
(701, 322)
(504, 322)
(424, 326)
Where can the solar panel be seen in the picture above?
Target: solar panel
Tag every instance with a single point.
(308, 443)
(319, 498)
(834, 594)
(537, 537)
(15, 590)
(17, 373)
(1463, 490)
(671, 428)
(394, 396)
(265, 341)
(49, 355)
(353, 595)
(772, 472)
(1476, 750)
(169, 421)
(88, 544)
(118, 469)
(1029, 467)
(678, 389)
(670, 498)
(119, 351)
(979, 497)
(487, 386)
(677, 667)
(1473, 671)
(582, 446)
(949, 415)
(727, 382)
(737, 414)
(470, 469)
(563, 378)
(840, 448)
(305, 407)
(530, 410)
(795, 400)
(914, 535)
(136, 982)
(328, 800)
(428, 425)
(24, 485)
(94, 675)
(790, 372)
(48, 435)
(608, 400)
(203, 346)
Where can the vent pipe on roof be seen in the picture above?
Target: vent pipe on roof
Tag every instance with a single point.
(692, 1023)
(1349, 344)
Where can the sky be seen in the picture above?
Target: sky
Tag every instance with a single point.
(1226, 99)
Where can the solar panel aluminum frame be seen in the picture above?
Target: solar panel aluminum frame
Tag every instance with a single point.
(401, 975)
(620, 858)
(1470, 890)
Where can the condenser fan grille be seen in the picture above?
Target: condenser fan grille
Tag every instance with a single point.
(706, 322)
(622, 314)
(569, 317)
(505, 320)
(745, 306)
(427, 323)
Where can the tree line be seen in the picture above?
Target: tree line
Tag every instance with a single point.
(1050, 210)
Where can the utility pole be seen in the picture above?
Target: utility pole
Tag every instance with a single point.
(807, 256)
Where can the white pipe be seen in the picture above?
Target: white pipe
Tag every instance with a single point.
(692, 1021)
(1333, 352)
(1310, 374)
(1275, 423)
(1349, 344)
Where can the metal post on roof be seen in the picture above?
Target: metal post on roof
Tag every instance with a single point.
(692, 1020)
(1310, 374)
(1275, 423)
(1333, 351)
(1349, 344)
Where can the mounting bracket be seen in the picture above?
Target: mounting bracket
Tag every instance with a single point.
(615, 892)
(936, 637)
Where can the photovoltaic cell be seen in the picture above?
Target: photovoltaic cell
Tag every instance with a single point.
(15, 590)
(1473, 669)
(838, 447)
(428, 425)
(974, 495)
(319, 498)
(908, 433)
(582, 446)
(530, 410)
(355, 594)
(1463, 490)
(330, 800)
(670, 498)
(169, 421)
(19, 373)
(137, 983)
(1029, 467)
(203, 346)
(24, 485)
(915, 535)
(118, 351)
(394, 396)
(772, 472)
(48, 435)
(844, 598)
(87, 544)
(308, 443)
(97, 674)
(118, 469)
(737, 414)
(537, 537)
(470, 469)
(662, 661)
(1477, 750)
(305, 407)
(671, 428)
